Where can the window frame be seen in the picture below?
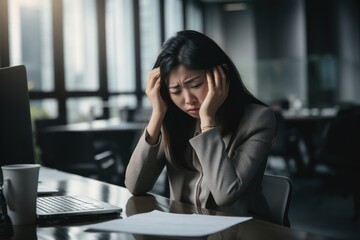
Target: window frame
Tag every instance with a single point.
(60, 94)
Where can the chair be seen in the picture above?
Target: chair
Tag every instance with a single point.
(109, 162)
(278, 191)
(339, 155)
(286, 144)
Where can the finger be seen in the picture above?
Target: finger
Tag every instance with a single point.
(217, 77)
(151, 86)
(222, 72)
(150, 77)
(224, 82)
(156, 87)
(153, 76)
(210, 80)
(157, 84)
(156, 74)
(225, 67)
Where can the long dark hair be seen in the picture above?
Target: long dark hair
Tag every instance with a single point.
(196, 51)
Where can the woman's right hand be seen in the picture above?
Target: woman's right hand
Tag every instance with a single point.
(159, 107)
(153, 92)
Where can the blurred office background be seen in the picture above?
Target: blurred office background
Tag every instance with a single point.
(88, 59)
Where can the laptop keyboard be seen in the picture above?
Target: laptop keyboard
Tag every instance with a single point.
(58, 204)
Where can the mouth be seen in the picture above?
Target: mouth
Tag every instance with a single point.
(193, 110)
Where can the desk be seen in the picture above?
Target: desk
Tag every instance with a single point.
(70, 184)
(97, 126)
(124, 134)
(72, 147)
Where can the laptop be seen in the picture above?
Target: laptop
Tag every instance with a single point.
(63, 208)
(15, 121)
(44, 189)
(16, 146)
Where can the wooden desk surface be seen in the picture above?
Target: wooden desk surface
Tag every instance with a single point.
(70, 184)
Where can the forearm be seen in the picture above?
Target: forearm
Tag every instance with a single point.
(225, 181)
(145, 166)
(230, 164)
(228, 177)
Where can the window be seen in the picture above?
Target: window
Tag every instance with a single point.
(120, 45)
(150, 41)
(194, 16)
(79, 74)
(45, 108)
(117, 103)
(80, 45)
(83, 109)
(30, 30)
(173, 17)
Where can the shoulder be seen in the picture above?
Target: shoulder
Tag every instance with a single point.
(257, 110)
(257, 115)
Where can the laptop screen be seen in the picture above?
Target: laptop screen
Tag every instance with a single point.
(16, 143)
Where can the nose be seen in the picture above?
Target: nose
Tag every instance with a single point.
(189, 97)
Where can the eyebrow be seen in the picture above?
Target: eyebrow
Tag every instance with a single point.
(186, 81)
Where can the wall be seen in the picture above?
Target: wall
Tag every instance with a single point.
(266, 43)
(349, 50)
(299, 49)
(281, 49)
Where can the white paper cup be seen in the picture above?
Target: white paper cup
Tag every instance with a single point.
(20, 191)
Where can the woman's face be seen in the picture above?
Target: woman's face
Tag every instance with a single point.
(188, 89)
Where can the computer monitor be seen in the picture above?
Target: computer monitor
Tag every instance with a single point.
(16, 143)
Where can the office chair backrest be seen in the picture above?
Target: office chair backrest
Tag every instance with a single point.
(278, 191)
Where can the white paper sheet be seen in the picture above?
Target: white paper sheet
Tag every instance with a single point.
(170, 224)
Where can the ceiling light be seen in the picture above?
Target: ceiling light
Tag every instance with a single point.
(235, 6)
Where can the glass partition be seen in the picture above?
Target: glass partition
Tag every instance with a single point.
(282, 78)
(304, 83)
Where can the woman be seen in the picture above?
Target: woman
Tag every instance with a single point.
(212, 135)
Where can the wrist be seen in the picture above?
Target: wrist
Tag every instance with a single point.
(153, 128)
(158, 114)
(207, 127)
(207, 121)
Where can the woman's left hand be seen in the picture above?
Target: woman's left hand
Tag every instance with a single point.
(218, 87)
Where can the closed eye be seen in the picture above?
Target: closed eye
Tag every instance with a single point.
(175, 92)
(197, 85)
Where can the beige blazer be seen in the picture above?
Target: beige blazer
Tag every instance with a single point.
(227, 171)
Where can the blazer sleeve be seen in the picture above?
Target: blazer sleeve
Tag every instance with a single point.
(145, 166)
(230, 176)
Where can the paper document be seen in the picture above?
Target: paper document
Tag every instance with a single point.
(170, 224)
